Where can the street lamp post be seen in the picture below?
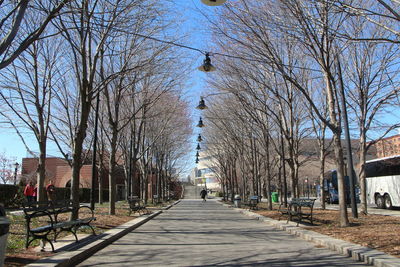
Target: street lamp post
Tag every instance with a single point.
(94, 169)
(15, 172)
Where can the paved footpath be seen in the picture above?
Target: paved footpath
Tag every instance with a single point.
(194, 233)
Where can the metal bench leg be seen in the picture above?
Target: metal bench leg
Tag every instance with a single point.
(91, 227)
(51, 243)
(74, 233)
(28, 242)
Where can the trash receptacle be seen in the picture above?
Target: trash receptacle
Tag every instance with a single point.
(4, 227)
(274, 197)
(237, 199)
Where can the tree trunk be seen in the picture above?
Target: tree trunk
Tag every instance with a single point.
(321, 177)
(344, 220)
(111, 175)
(41, 173)
(362, 175)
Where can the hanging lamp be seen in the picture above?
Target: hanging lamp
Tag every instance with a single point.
(207, 66)
(213, 2)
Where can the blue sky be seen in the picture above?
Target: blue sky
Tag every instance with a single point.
(198, 37)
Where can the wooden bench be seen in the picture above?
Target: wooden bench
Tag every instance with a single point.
(44, 218)
(137, 205)
(253, 202)
(299, 208)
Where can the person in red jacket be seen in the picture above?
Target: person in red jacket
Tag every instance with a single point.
(29, 191)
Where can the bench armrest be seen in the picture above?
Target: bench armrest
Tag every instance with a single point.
(83, 207)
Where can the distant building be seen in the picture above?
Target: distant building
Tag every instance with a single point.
(59, 171)
(389, 146)
(204, 174)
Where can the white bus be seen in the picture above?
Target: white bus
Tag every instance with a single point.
(383, 182)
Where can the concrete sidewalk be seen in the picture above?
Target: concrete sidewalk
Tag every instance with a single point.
(70, 253)
(194, 233)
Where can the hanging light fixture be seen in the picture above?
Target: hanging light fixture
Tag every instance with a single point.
(207, 66)
(199, 138)
(200, 124)
(213, 2)
(198, 147)
(197, 160)
(202, 104)
(197, 154)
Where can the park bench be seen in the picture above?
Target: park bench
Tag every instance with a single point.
(44, 218)
(156, 199)
(299, 208)
(137, 205)
(253, 202)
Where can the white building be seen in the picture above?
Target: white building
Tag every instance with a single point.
(204, 174)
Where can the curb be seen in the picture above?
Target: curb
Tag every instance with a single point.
(72, 258)
(356, 252)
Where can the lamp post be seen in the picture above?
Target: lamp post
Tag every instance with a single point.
(15, 172)
(94, 170)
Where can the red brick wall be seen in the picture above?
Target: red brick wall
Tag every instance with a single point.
(29, 166)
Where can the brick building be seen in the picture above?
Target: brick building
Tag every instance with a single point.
(58, 170)
(389, 146)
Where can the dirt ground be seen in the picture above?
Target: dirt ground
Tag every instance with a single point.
(19, 256)
(374, 231)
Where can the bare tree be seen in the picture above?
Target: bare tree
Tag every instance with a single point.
(28, 85)
(306, 36)
(372, 87)
(15, 35)
(89, 28)
(6, 170)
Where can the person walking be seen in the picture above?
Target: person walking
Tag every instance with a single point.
(35, 193)
(29, 192)
(203, 194)
(50, 189)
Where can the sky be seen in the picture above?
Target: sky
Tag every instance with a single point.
(198, 36)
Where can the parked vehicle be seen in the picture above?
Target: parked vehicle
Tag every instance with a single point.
(331, 188)
(383, 182)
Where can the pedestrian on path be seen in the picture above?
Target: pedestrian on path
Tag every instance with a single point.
(35, 193)
(203, 194)
(50, 189)
(29, 192)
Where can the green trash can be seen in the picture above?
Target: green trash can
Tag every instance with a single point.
(274, 197)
